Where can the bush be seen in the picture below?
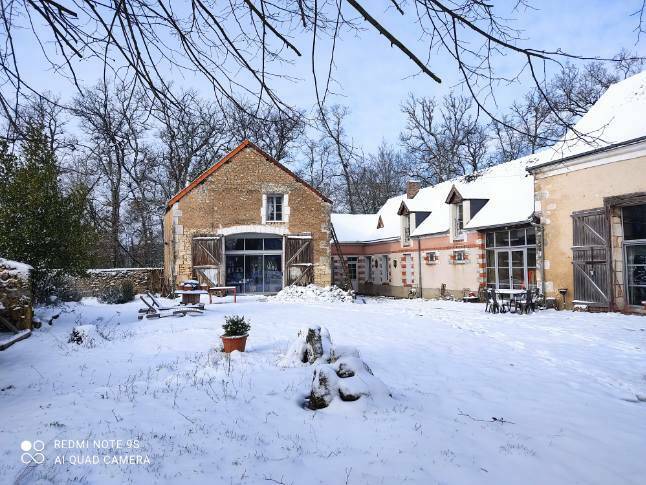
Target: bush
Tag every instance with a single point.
(120, 293)
(235, 326)
(54, 287)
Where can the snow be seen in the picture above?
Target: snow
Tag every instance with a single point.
(313, 293)
(119, 270)
(21, 270)
(353, 227)
(563, 388)
(616, 117)
(363, 227)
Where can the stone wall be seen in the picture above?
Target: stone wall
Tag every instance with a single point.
(143, 280)
(15, 293)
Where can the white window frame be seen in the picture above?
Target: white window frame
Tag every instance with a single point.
(264, 209)
(432, 257)
(463, 260)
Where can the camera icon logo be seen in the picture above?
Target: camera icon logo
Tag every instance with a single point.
(32, 452)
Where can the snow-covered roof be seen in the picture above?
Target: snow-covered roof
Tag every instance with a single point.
(353, 227)
(364, 227)
(19, 269)
(617, 116)
(507, 188)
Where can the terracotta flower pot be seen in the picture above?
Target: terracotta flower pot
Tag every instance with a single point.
(234, 343)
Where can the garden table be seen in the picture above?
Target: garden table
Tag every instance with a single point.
(215, 289)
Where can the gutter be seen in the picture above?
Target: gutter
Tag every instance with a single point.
(634, 141)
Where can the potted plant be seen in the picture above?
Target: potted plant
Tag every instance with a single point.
(236, 331)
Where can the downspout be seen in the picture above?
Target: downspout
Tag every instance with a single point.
(419, 266)
(540, 241)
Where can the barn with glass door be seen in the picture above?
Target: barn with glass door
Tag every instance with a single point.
(248, 222)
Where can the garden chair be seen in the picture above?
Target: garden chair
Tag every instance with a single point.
(527, 302)
(493, 304)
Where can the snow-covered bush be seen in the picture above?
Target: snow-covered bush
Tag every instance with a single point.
(84, 335)
(314, 294)
(122, 292)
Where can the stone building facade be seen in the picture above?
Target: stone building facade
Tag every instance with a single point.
(248, 222)
(586, 204)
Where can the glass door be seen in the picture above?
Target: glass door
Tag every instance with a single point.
(511, 268)
(636, 273)
(502, 265)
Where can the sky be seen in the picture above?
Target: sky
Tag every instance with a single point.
(373, 79)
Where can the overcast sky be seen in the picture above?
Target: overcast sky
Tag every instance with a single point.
(374, 78)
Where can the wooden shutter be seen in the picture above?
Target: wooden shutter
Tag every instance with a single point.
(207, 259)
(299, 256)
(590, 257)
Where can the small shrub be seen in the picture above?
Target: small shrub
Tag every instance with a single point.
(54, 287)
(120, 293)
(235, 326)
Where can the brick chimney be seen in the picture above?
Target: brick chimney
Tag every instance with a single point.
(412, 187)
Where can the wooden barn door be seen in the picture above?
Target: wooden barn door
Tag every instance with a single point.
(590, 257)
(299, 256)
(207, 259)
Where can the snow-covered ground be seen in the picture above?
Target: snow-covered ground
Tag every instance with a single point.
(562, 386)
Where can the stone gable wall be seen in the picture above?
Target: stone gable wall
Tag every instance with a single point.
(233, 196)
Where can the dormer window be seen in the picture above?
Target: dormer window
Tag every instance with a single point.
(405, 230)
(458, 220)
(274, 207)
(459, 217)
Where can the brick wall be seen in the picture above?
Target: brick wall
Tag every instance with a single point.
(15, 293)
(231, 200)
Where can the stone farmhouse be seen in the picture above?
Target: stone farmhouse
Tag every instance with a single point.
(248, 222)
(570, 220)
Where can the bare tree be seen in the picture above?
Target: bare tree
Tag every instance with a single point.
(192, 136)
(443, 141)
(379, 177)
(274, 130)
(239, 46)
(114, 121)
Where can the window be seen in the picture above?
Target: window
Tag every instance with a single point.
(274, 208)
(368, 268)
(459, 217)
(459, 256)
(432, 257)
(405, 230)
(384, 268)
(458, 221)
(511, 258)
(634, 218)
(634, 222)
(352, 267)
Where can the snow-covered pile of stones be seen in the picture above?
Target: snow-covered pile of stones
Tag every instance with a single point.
(339, 372)
(313, 293)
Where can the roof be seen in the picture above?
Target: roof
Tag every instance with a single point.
(507, 188)
(227, 158)
(616, 119)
